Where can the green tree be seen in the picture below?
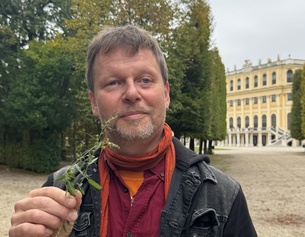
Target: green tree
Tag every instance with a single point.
(34, 19)
(8, 65)
(296, 110)
(193, 48)
(303, 101)
(218, 96)
(23, 22)
(42, 103)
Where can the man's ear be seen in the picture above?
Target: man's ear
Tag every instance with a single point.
(94, 107)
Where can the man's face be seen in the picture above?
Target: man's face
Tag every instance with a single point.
(132, 89)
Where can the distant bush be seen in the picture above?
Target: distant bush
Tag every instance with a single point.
(42, 156)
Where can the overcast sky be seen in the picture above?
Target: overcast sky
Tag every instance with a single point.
(258, 30)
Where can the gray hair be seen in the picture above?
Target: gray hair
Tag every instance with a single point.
(130, 37)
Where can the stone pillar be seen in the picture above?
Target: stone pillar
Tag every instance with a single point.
(269, 136)
(259, 137)
(251, 138)
(230, 137)
(237, 137)
(246, 137)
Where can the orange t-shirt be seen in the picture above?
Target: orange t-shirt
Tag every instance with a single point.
(133, 180)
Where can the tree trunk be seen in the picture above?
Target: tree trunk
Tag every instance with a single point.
(210, 150)
(200, 146)
(192, 144)
(205, 147)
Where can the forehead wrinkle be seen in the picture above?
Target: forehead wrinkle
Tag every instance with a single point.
(127, 59)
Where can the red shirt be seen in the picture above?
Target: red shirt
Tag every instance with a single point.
(142, 218)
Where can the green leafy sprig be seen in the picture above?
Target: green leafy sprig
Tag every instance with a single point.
(82, 163)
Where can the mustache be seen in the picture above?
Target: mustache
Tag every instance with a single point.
(129, 109)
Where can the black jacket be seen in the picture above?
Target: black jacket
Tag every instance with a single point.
(202, 201)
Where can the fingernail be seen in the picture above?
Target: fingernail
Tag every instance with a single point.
(72, 215)
(49, 232)
(70, 202)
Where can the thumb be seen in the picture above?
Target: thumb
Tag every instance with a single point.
(78, 199)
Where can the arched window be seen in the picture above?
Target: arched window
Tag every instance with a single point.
(247, 83)
(264, 80)
(255, 81)
(231, 123)
(289, 121)
(231, 85)
(264, 121)
(238, 122)
(273, 120)
(247, 122)
(238, 84)
(255, 121)
(273, 78)
(289, 76)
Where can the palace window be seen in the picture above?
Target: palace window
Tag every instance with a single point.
(289, 96)
(264, 99)
(264, 121)
(289, 76)
(255, 81)
(273, 78)
(238, 102)
(231, 103)
(238, 122)
(247, 83)
(247, 101)
(273, 120)
(273, 98)
(238, 84)
(231, 122)
(255, 100)
(231, 85)
(247, 122)
(255, 121)
(264, 80)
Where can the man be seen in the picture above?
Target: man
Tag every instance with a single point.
(152, 184)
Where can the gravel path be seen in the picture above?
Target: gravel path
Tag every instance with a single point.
(273, 180)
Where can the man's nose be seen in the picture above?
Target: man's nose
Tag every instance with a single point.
(131, 93)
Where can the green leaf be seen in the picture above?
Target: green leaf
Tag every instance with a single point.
(61, 177)
(92, 161)
(79, 169)
(94, 184)
(71, 189)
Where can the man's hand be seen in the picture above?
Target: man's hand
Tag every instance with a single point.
(43, 212)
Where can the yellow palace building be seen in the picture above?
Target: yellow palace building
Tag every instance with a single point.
(259, 100)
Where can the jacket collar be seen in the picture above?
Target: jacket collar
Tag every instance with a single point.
(185, 158)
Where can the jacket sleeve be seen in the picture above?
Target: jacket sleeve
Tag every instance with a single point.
(49, 181)
(239, 222)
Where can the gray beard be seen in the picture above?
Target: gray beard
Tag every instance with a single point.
(136, 134)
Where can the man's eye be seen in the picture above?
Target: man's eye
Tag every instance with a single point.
(112, 83)
(146, 80)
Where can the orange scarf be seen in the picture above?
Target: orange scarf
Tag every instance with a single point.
(165, 149)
